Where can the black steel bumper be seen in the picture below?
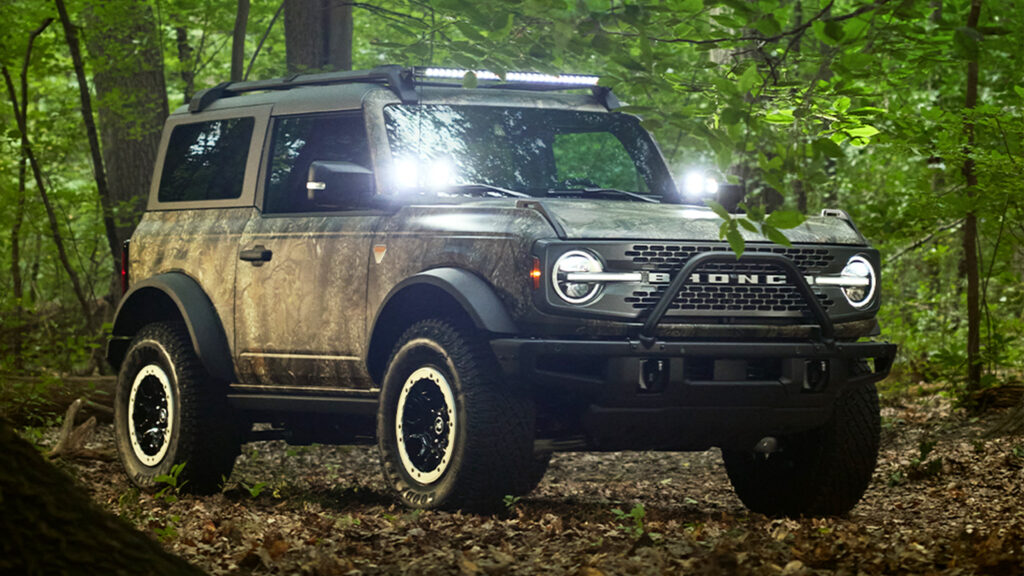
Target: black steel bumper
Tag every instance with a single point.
(692, 395)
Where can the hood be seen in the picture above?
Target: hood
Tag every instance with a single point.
(613, 220)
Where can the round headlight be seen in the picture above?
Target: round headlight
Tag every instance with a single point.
(575, 261)
(860, 286)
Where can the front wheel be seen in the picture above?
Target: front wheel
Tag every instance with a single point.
(821, 472)
(450, 434)
(169, 412)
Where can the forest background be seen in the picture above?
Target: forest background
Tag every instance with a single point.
(906, 114)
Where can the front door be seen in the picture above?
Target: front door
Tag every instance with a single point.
(301, 286)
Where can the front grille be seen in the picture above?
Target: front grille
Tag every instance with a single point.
(662, 257)
(732, 298)
(779, 299)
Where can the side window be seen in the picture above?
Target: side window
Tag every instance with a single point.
(206, 160)
(596, 159)
(301, 140)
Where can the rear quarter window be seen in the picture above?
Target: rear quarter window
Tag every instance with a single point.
(206, 160)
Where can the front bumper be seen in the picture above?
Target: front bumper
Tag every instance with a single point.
(684, 395)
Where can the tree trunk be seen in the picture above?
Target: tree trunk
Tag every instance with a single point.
(48, 525)
(123, 43)
(238, 40)
(970, 240)
(17, 286)
(186, 61)
(37, 173)
(99, 174)
(318, 35)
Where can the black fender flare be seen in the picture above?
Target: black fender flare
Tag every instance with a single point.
(192, 305)
(471, 292)
(473, 296)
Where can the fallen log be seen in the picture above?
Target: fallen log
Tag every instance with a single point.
(48, 525)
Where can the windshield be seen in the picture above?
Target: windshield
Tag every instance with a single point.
(524, 151)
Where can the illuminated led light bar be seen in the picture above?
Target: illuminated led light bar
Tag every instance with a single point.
(524, 77)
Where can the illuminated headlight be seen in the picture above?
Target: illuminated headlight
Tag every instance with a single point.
(858, 282)
(573, 263)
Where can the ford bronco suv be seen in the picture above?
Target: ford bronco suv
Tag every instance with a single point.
(475, 279)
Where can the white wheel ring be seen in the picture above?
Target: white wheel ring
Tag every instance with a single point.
(155, 371)
(435, 376)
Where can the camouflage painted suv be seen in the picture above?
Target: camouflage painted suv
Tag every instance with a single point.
(474, 279)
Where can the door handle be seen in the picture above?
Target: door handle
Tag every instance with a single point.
(258, 254)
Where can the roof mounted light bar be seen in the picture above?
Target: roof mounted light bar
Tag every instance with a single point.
(403, 82)
(580, 80)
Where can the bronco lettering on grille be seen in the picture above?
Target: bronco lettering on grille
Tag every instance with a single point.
(769, 279)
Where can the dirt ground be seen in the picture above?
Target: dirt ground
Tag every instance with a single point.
(944, 500)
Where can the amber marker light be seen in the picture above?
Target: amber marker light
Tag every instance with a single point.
(536, 273)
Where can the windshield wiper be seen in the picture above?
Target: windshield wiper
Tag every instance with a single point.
(602, 191)
(489, 188)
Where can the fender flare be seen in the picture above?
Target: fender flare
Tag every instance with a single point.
(195, 309)
(472, 293)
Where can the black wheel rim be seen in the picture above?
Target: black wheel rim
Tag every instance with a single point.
(425, 425)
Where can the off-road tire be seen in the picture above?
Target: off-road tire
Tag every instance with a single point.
(821, 472)
(492, 430)
(538, 469)
(203, 435)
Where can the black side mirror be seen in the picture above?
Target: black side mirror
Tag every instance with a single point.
(339, 184)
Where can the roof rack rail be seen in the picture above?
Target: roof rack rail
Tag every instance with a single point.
(403, 81)
(399, 79)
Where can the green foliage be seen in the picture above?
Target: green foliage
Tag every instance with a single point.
(632, 522)
(171, 484)
(256, 489)
(511, 502)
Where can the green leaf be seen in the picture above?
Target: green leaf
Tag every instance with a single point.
(828, 148)
(470, 31)
(747, 80)
(469, 80)
(691, 6)
(784, 219)
(774, 235)
(866, 111)
(862, 131)
(719, 210)
(735, 241)
(842, 104)
(1019, 91)
(780, 117)
(747, 224)
(731, 116)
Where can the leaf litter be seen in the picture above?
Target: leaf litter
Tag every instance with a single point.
(943, 501)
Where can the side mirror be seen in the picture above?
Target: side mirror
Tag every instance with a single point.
(339, 184)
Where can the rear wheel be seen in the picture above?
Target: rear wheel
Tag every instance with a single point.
(821, 472)
(450, 435)
(168, 412)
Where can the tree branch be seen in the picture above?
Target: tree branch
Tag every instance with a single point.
(765, 39)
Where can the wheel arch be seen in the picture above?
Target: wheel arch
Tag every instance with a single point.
(451, 293)
(173, 297)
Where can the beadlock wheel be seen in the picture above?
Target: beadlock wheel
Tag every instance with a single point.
(168, 412)
(450, 434)
(151, 414)
(425, 425)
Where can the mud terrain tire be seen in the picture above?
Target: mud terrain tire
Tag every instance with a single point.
(450, 434)
(168, 411)
(821, 472)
